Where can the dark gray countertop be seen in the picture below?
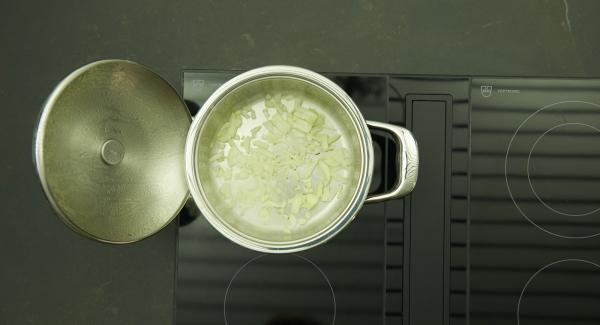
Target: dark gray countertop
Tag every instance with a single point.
(50, 275)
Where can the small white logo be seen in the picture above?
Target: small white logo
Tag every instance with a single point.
(198, 83)
(486, 91)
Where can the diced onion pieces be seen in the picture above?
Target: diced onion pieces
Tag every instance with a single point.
(310, 200)
(287, 166)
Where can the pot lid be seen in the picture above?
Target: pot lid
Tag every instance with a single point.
(109, 151)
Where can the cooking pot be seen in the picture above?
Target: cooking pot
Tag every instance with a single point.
(122, 129)
(250, 88)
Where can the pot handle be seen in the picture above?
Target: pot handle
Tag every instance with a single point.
(407, 162)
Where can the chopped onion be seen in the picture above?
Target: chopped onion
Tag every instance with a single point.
(280, 163)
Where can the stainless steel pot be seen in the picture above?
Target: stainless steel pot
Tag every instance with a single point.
(114, 161)
(251, 87)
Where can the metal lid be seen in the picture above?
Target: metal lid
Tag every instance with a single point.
(109, 151)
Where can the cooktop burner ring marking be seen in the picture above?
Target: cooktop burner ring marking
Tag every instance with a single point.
(540, 271)
(263, 255)
(512, 139)
(529, 178)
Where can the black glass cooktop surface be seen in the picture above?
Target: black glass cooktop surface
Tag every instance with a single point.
(502, 228)
(535, 199)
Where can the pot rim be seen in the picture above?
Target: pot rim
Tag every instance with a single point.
(344, 218)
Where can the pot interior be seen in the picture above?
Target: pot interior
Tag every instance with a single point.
(275, 228)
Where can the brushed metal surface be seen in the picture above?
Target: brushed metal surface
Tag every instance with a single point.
(406, 164)
(109, 151)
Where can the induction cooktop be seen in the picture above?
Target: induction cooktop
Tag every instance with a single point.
(503, 226)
